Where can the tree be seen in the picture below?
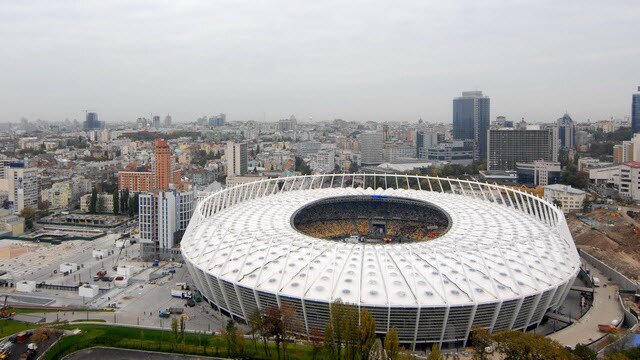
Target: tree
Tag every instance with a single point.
(255, 325)
(116, 202)
(520, 345)
(29, 214)
(584, 352)
(93, 204)
(302, 166)
(275, 326)
(174, 332)
(586, 205)
(231, 334)
(557, 203)
(480, 340)
(330, 342)
(354, 167)
(435, 353)
(40, 335)
(367, 334)
(392, 344)
(316, 338)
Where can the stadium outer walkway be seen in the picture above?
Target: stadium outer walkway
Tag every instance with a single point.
(606, 308)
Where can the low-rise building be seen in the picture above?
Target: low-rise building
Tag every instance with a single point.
(539, 172)
(629, 181)
(570, 198)
(104, 203)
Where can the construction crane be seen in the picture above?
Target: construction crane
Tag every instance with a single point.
(4, 314)
(115, 263)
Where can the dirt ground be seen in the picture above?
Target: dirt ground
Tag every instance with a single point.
(611, 238)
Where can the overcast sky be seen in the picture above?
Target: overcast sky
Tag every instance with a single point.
(355, 60)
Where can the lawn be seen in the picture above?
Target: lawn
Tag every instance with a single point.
(8, 327)
(156, 340)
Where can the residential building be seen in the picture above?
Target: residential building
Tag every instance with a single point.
(289, 124)
(307, 148)
(236, 155)
(539, 172)
(424, 141)
(135, 181)
(509, 146)
(104, 203)
(570, 198)
(623, 153)
(22, 187)
(635, 112)
(162, 165)
(371, 148)
(59, 196)
(471, 120)
(163, 218)
(324, 161)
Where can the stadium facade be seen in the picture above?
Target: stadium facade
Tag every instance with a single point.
(502, 260)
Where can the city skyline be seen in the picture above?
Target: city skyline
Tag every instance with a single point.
(348, 61)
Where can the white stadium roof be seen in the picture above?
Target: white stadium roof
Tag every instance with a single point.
(491, 252)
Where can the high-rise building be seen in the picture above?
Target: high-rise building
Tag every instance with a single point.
(289, 124)
(566, 132)
(218, 120)
(91, 122)
(424, 141)
(22, 187)
(163, 218)
(508, 147)
(371, 148)
(471, 119)
(635, 112)
(161, 176)
(167, 121)
(161, 166)
(156, 121)
(236, 155)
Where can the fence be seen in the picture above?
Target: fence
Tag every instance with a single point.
(624, 282)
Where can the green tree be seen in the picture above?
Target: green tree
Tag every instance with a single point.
(367, 334)
(354, 167)
(174, 332)
(230, 334)
(302, 166)
(93, 204)
(116, 202)
(557, 203)
(330, 346)
(29, 215)
(435, 353)
(586, 205)
(392, 344)
(583, 352)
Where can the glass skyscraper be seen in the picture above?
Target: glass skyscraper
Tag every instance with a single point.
(471, 120)
(635, 112)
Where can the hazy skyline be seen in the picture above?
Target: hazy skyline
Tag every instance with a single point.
(355, 60)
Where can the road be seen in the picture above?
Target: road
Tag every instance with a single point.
(606, 308)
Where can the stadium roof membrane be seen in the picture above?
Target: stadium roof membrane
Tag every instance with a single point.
(490, 253)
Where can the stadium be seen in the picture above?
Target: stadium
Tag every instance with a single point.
(432, 257)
